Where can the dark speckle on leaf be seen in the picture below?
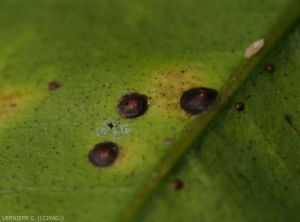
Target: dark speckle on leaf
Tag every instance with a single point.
(110, 125)
(197, 100)
(288, 119)
(177, 184)
(240, 106)
(270, 68)
(54, 85)
(104, 154)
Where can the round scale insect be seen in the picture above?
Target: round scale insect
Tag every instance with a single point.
(196, 100)
(104, 154)
(132, 105)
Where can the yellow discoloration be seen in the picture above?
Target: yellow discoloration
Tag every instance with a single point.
(8, 103)
(13, 100)
(169, 85)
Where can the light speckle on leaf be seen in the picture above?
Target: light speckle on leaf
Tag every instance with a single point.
(254, 48)
(112, 128)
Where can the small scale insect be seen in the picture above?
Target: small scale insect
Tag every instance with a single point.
(254, 48)
(270, 68)
(240, 106)
(133, 105)
(54, 85)
(177, 184)
(196, 100)
(104, 154)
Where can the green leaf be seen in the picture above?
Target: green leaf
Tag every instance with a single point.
(246, 167)
(100, 50)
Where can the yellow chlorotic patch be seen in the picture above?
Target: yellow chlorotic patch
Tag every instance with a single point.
(169, 84)
(8, 103)
(14, 100)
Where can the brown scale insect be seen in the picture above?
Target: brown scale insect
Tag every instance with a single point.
(104, 154)
(197, 100)
(132, 105)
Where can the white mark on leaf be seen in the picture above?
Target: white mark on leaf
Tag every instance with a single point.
(254, 48)
(112, 128)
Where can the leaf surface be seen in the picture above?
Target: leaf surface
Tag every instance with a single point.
(98, 51)
(246, 167)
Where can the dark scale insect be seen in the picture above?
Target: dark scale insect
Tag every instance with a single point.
(240, 106)
(197, 100)
(177, 184)
(54, 85)
(104, 154)
(133, 105)
(270, 68)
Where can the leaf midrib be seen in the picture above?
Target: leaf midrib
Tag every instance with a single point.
(195, 130)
